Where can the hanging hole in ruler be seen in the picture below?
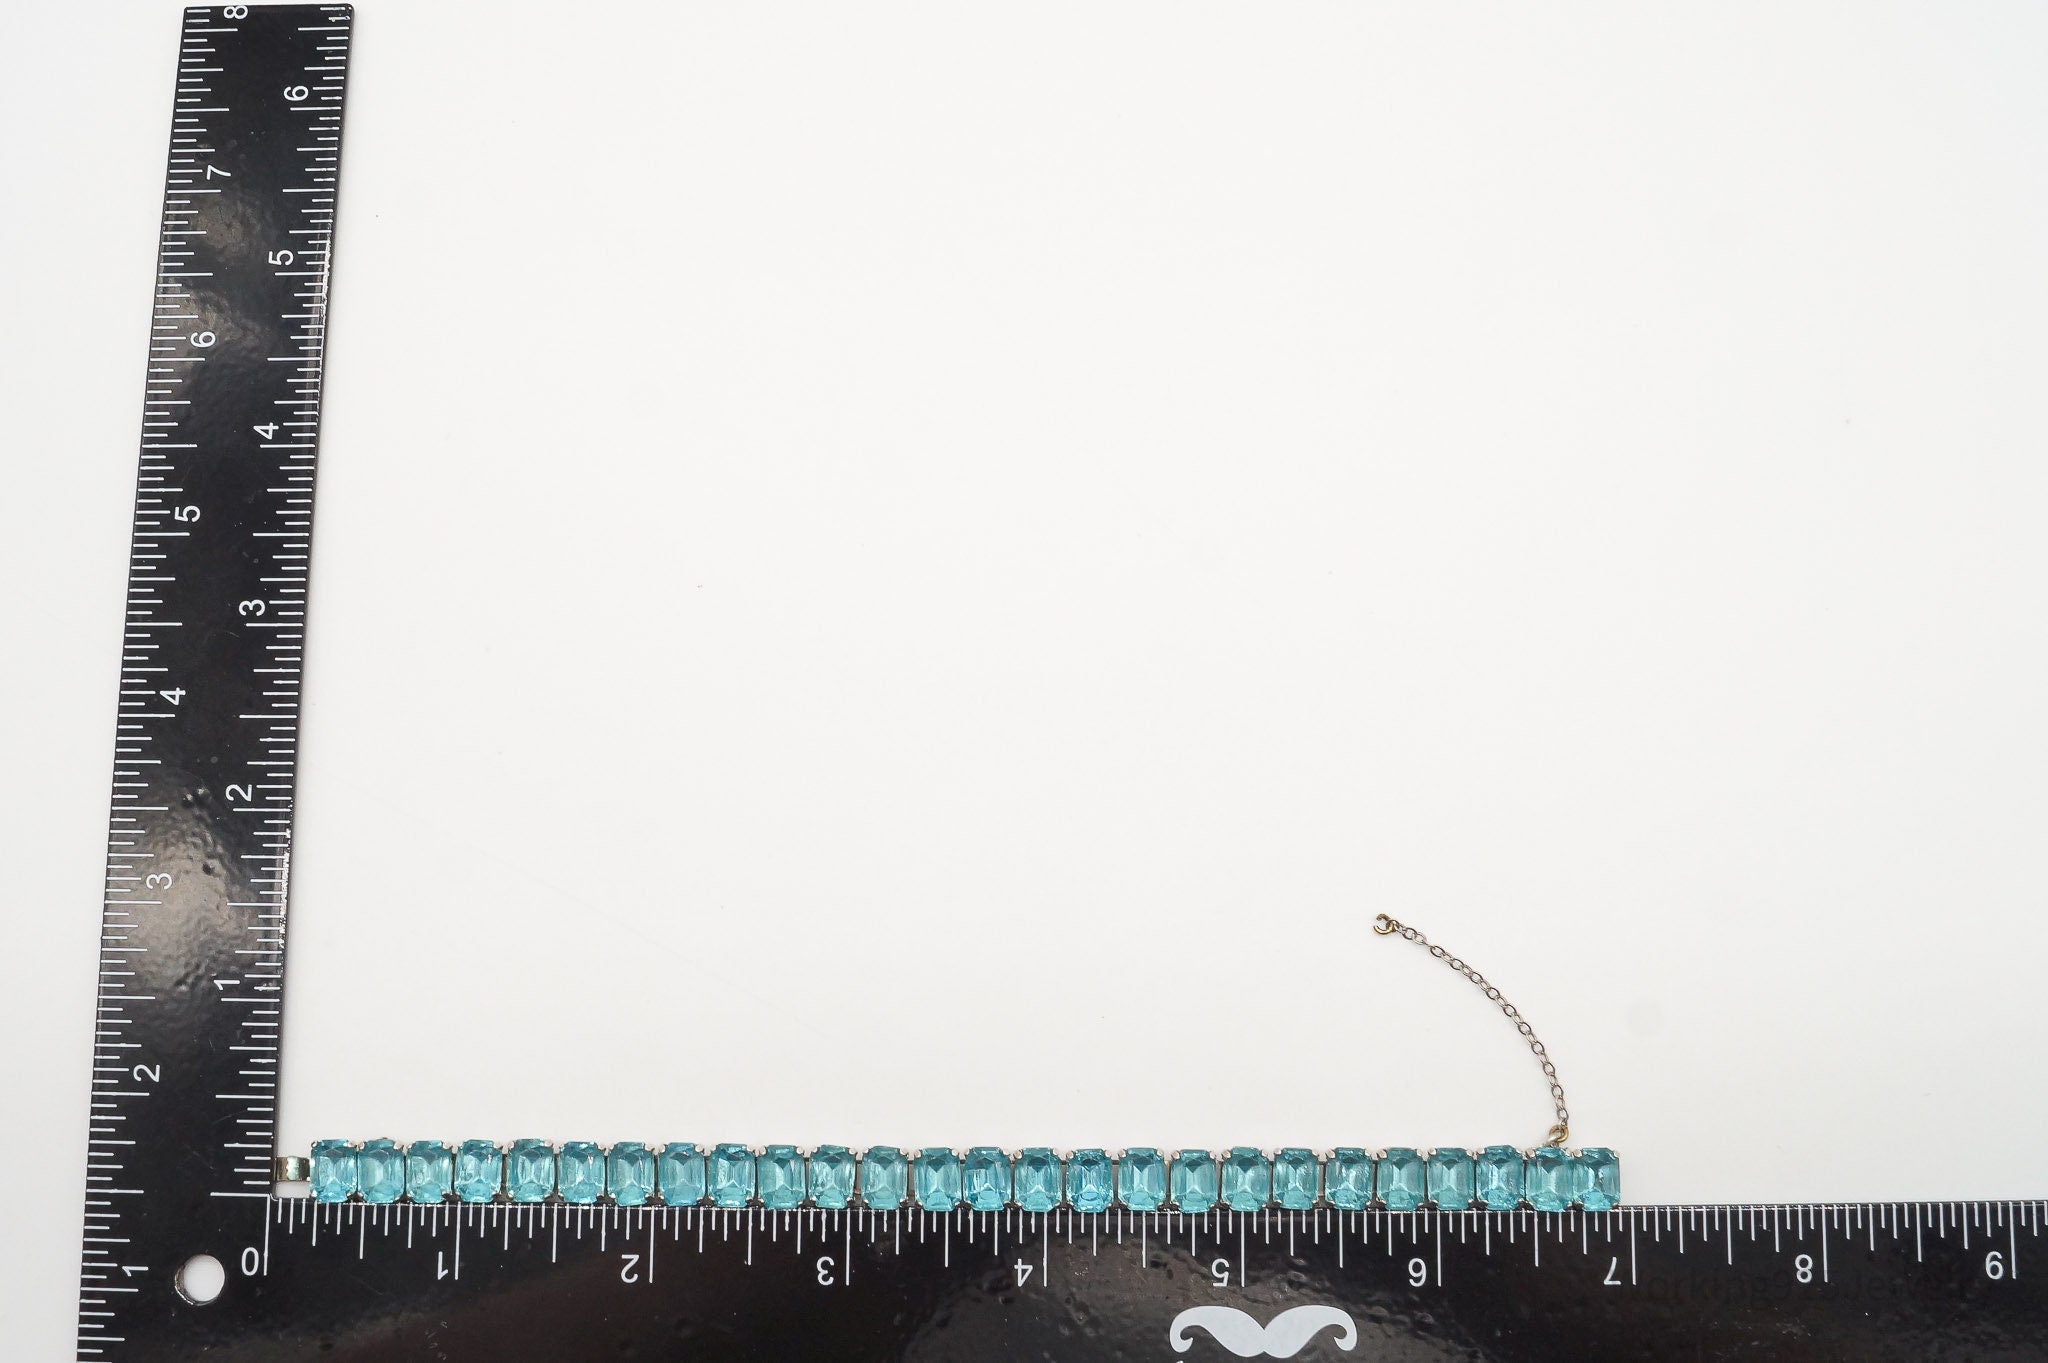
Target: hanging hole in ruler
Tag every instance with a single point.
(200, 1279)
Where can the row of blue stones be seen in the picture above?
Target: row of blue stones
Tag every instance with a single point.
(630, 1174)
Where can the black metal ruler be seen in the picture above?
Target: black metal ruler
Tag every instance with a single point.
(551, 1281)
(183, 1126)
(185, 1078)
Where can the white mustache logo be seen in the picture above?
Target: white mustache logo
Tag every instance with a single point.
(1289, 1333)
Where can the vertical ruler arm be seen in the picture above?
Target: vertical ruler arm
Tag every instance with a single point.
(187, 1023)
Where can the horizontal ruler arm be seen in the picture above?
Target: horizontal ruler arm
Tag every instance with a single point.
(564, 1282)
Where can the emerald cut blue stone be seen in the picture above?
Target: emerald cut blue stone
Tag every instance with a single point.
(629, 1173)
(1037, 1178)
(1499, 1180)
(1547, 1179)
(781, 1178)
(579, 1172)
(831, 1175)
(938, 1180)
(884, 1177)
(1596, 1179)
(334, 1171)
(1194, 1180)
(479, 1171)
(429, 1171)
(1247, 1179)
(1347, 1179)
(1449, 1174)
(530, 1171)
(680, 1171)
(380, 1171)
(1400, 1179)
(732, 1175)
(1141, 1179)
(985, 1179)
(1294, 1179)
(1091, 1181)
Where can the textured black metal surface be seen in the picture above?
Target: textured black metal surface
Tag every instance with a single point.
(199, 842)
(354, 1282)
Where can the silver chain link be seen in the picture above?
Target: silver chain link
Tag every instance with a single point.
(1386, 925)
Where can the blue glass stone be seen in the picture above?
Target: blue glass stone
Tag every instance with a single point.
(1091, 1181)
(1596, 1179)
(530, 1171)
(1141, 1179)
(629, 1173)
(1347, 1179)
(1194, 1180)
(938, 1180)
(579, 1172)
(1037, 1179)
(1294, 1178)
(831, 1174)
(781, 1178)
(985, 1179)
(1247, 1179)
(884, 1177)
(680, 1170)
(380, 1171)
(429, 1171)
(334, 1171)
(1547, 1179)
(1399, 1180)
(732, 1175)
(1499, 1181)
(1449, 1175)
(479, 1171)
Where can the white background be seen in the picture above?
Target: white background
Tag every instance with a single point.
(917, 573)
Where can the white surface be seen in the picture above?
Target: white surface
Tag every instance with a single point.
(915, 575)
